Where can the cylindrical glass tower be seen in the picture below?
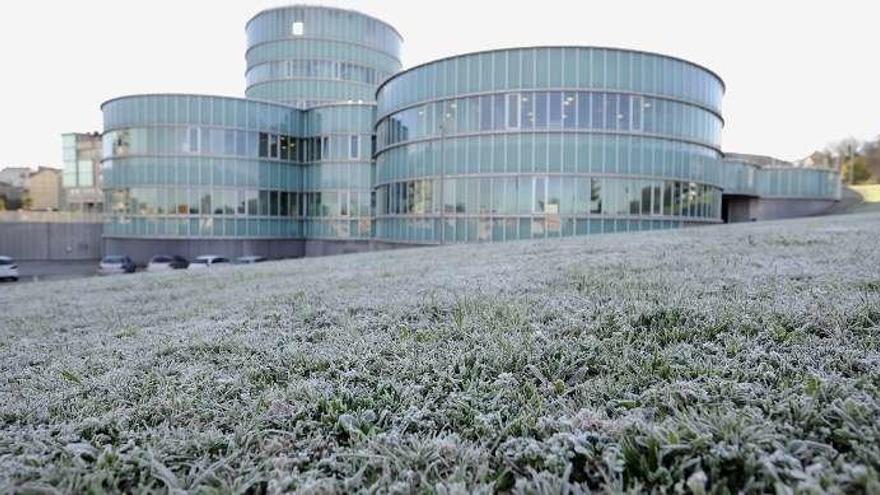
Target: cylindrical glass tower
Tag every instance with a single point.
(546, 142)
(306, 56)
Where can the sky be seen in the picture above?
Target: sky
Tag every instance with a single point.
(799, 74)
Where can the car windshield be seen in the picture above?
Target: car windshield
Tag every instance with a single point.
(161, 259)
(6, 261)
(113, 260)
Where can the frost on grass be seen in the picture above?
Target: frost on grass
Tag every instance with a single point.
(724, 359)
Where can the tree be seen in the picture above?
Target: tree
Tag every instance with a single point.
(860, 172)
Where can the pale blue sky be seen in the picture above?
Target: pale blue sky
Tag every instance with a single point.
(799, 74)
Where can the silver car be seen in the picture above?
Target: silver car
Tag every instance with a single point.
(114, 265)
(8, 269)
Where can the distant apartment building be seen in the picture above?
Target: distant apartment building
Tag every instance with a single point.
(82, 179)
(15, 176)
(44, 189)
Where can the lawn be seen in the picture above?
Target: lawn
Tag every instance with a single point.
(719, 359)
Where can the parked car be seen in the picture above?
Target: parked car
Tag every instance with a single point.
(113, 265)
(8, 269)
(208, 261)
(249, 260)
(164, 263)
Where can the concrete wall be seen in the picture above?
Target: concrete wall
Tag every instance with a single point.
(749, 209)
(31, 241)
(316, 248)
(141, 250)
(773, 209)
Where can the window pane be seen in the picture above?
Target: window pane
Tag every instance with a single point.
(539, 194)
(555, 102)
(354, 150)
(485, 113)
(499, 109)
(583, 106)
(596, 196)
(569, 111)
(528, 111)
(513, 110)
(540, 110)
(598, 107)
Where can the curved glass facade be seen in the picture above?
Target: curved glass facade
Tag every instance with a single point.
(307, 56)
(186, 166)
(546, 142)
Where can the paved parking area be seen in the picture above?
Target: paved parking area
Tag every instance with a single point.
(35, 271)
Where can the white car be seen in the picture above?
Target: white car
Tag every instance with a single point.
(115, 265)
(8, 269)
(204, 262)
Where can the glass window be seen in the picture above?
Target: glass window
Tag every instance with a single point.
(527, 111)
(611, 115)
(485, 113)
(598, 107)
(284, 151)
(646, 191)
(499, 111)
(657, 199)
(273, 146)
(525, 195)
(569, 111)
(555, 114)
(623, 112)
(637, 108)
(667, 198)
(540, 110)
(354, 148)
(554, 196)
(264, 145)
(539, 194)
(193, 139)
(583, 110)
(513, 111)
(206, 202)
(596, 196)
(273, 203)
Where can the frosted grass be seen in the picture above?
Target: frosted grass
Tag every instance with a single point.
(721, 359)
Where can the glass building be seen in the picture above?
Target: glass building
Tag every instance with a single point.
(546, 142)
(185, 170)
(335, 149)
(82, 180)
